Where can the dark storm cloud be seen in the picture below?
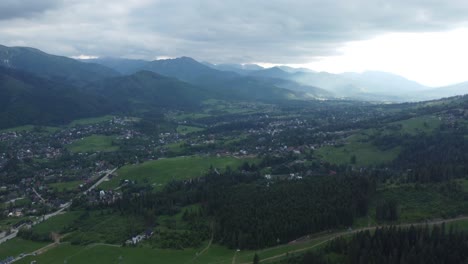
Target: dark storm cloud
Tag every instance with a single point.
(25, 8)
(220, 31)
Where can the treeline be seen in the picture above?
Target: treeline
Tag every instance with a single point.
(257, 216)
(251, 212)
(392, 245)
(434, 158)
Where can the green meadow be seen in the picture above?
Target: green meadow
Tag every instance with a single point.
(93, 143)
(160, 172)
(16, 246)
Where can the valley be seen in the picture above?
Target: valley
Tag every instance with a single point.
(186, 163)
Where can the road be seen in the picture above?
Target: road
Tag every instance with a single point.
(14, 232)
(104, 178)
(38, 195)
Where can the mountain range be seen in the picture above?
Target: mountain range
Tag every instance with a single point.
(368, 85)
(40, 88)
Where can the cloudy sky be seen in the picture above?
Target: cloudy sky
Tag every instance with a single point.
(422, 40)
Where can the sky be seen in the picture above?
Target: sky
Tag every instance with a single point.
(424, 41)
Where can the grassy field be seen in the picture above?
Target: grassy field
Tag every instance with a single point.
(93, 143)
(214, 254)
(43, 129)
(181, 129)
(56, 224)
(423, 202)
(360, 145)
(16, 246)
(104, 227)
(65, 186)
(92, 120)
(193, 116)
(366, 154)
(162, 171)
(423, 124)
(113, 254)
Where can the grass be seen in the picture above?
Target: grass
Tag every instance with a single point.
(16, 246)
(423, 202)
(181, 129)
(93, 143)
(163, 220)
(360, 146)
(424, 124)
(215, 254)
(113, 254)
(57, 224)
(9, 221)
(162, 171)
(459, 226)
(193, 116)
(366, 154)
(20, 202)
(104, 227)
(26, 128)
(92, 120)
(65, 186)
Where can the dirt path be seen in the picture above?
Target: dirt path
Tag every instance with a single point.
(207, 246)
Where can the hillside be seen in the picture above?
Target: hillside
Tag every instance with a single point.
(146, 90)
(52, 67)
(27, 99)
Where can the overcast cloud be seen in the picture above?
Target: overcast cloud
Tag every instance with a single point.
(218, 31)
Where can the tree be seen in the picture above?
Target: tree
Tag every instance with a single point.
(256, 259)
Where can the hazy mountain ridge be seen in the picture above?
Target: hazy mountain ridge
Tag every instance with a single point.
(368, 85)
